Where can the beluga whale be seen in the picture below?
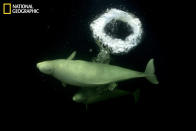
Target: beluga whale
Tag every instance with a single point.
(88, 75)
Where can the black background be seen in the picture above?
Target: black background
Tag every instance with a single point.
(61, 28)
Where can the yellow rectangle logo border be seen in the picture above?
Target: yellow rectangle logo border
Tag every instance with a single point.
(4, 4)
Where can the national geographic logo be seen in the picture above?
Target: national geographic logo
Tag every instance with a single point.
(9, 8)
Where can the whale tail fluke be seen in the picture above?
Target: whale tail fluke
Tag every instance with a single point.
(150, 72)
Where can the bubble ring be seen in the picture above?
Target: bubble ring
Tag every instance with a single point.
(114, 44)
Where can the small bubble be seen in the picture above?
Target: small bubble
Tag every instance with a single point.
(90, 50)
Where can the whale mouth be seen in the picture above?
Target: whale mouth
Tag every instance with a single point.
(41, 65)
(38, 65)
(45, 67)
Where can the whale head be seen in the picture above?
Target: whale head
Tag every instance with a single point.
(46, 67)
(79, 97)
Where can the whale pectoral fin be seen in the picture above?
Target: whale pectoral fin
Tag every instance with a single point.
(64, 85)
(105, 89)
(136, 95)
(112, 86)
(72, 56)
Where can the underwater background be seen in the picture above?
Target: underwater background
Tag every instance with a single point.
(62, 28)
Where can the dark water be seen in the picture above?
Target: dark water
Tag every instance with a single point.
(118, 29)
(60, 29)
